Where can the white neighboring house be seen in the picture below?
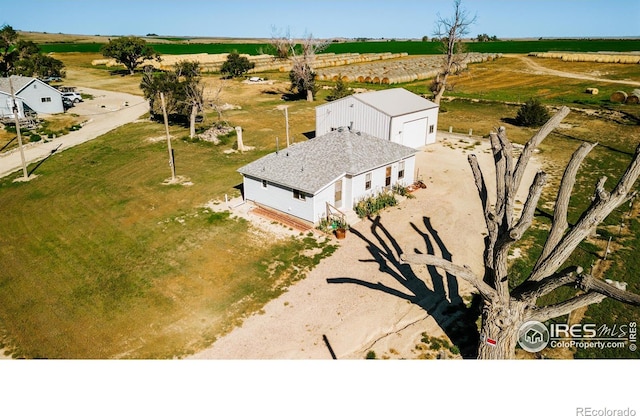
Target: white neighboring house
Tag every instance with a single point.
(394, 114)
(31, 94)
(338, 168)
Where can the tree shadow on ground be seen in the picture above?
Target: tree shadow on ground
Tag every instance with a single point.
(442, 302)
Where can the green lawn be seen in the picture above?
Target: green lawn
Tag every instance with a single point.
(100, 260)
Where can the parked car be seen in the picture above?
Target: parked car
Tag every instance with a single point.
(66, 103)
(73, 96)
(51, 79)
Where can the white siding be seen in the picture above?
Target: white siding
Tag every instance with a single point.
(279, 198)
(341, 113)
(5, 106)
(314, 207)
(42, 98)
(413, 129)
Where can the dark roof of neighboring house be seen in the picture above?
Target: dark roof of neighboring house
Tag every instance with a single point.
(310, 166)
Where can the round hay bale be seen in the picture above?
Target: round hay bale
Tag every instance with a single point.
(618, 97)
(634, 97)
(368, 79)
(360, 78)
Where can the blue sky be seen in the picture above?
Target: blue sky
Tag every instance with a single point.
(324, 18)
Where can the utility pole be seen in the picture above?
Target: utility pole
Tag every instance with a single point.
(286, 122)
(14, 105)
(166, 127)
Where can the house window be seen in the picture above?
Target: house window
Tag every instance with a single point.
(387, 176)
(298, 195)
(264, 183)
(431, 128)
(46, 99)
(367, 181)
(401, 169)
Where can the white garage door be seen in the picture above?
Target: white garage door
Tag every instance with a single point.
(414, 133)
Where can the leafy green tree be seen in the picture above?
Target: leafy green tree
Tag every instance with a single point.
(340, 90)
(8, 54)
(22, 57)
(182, 89)
(532, 114)
(236, 65)
(130, 51)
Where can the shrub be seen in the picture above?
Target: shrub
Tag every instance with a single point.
(532, 114)
(371, 355)
(374, 204)
(340, 90)
(35, 138)
(236, 65)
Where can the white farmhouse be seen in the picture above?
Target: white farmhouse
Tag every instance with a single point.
(394, 114)
(338, 168)
(31, 94)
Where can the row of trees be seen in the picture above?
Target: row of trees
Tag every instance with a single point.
(23, 57)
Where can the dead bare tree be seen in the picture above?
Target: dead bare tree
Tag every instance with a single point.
(188, 75)
(450, 31)
(505, 309)
(282, 43)
(216, 101)
(303, 75)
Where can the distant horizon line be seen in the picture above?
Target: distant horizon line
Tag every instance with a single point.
(345, 38)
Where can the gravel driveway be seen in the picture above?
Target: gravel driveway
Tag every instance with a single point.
(106, 111)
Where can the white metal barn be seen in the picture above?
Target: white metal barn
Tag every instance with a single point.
(338, 168)
(30, 93)
(394, 114)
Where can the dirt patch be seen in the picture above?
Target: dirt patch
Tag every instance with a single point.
(363, 298)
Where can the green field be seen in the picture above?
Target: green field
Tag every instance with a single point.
(410, 47)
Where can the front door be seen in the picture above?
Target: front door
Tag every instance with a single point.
(338, 194)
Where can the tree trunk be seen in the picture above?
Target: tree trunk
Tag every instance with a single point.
(192, 121)
(499, 333)
(310, 95)
(442, 86)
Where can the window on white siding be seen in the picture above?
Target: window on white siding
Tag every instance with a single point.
(401, 170)
(431, 128)
(387, 176)
(367, 181)
(299, 195)
(264, 183)
(46, 99)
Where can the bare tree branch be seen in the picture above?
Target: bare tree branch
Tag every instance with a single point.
(566, 307)
(560, 224)
(465, 272)
(534, 142)
(529, 207)
(599, 209)
(529, 291)
(591, 284)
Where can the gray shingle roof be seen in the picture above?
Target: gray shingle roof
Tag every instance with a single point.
(395, 101)
(19, 82)
(310, 166)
